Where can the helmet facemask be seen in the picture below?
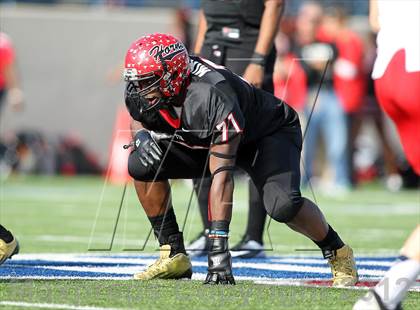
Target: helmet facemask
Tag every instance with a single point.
(139, 86)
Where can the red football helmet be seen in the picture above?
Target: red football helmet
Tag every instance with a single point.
(157, 61)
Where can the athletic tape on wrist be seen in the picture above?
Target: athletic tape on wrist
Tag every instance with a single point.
(218, 234)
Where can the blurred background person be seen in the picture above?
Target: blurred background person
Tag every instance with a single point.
(238, 35)
(10, 89)
(352, 85)
(349, 81)
(389, 163)
(289, 77)
(10, 92)
(182, 28)
(324, 112)
(397, 86)
(397, 72)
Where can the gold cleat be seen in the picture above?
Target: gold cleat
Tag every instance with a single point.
(7, 250)
(175, 267)
(343, 267)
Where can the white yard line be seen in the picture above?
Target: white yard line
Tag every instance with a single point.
(298, 268)
(322, 261)
(52, 306)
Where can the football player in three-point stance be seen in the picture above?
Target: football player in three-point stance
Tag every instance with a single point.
(191, 118)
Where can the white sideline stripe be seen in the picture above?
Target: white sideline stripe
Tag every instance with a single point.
(134, 269)
(320, 261)
(296, 268)
(140, 264)
(144, 261)
(52, 306)
(261, 266)
(129, 257)
(70, 258)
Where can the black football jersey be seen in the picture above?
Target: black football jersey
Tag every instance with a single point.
(218, 106)
(233, 22)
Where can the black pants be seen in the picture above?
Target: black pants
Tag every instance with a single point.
(236, 59)
(272, 163)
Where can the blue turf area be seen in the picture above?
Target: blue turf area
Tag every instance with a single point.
(123, 266)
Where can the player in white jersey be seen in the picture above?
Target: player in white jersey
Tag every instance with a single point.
(397, 85)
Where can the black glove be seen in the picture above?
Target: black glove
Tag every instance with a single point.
(147, 149)
(220, 263)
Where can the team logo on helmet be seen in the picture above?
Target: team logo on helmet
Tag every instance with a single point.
(166, 52)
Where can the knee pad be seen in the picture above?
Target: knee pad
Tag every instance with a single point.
(284, 207)
(137, 171)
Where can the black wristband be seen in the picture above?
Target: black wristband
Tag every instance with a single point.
(258, 59)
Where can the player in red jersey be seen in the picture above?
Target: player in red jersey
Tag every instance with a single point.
(397, 84)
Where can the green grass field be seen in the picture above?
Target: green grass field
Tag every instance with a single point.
(61, 215)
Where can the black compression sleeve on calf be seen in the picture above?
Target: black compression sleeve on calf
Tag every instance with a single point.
(164, 226)
(331, 242)
(5, 235)
(256, 215)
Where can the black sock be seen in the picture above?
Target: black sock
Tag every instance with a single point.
(256, 215)
(5, 235)
(330, 243)
(164, 226)
(202, 188)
